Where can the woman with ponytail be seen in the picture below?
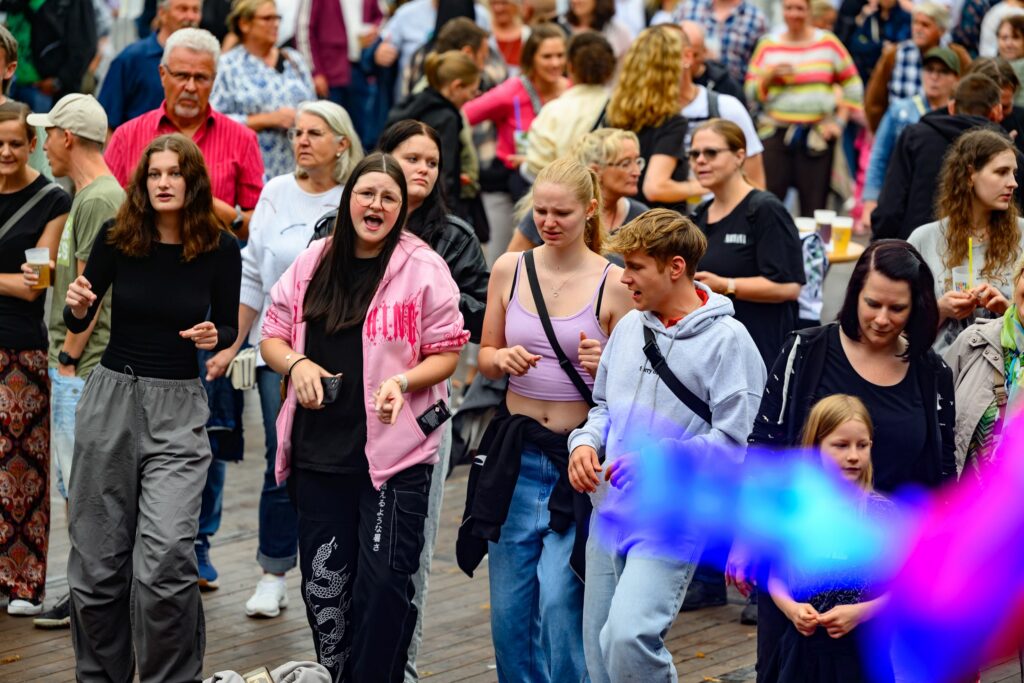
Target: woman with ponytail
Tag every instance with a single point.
(536, 599)
(453, 79)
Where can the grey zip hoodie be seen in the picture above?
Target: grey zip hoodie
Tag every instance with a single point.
(712, 355)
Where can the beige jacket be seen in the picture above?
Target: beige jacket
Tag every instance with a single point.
(976, 358)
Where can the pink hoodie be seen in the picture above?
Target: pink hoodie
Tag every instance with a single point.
(414, 313)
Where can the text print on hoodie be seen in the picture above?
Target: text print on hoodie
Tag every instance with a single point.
(710, 352)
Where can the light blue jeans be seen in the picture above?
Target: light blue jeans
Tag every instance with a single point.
(536, 599)
(64, 395)
(631, 599)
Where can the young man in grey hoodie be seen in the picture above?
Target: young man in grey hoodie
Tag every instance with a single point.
(633, 592)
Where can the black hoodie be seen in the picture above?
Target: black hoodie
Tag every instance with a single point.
(433, 109)
(912, 180)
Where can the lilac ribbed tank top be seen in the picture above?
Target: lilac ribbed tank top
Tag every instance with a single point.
(548, 381)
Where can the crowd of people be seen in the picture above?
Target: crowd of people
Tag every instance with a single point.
(590, 204)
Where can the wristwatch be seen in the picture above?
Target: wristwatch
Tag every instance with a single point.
(730, 288)
(239, 221)
(64, 358)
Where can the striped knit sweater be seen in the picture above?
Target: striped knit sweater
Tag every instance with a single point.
(809, 96)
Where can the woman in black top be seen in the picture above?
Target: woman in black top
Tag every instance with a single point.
(419, 151)
(880, 352)
(24, 386)
(141, 420)
(754, 254)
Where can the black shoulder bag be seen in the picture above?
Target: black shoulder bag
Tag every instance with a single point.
(545, 319)
(689, 399)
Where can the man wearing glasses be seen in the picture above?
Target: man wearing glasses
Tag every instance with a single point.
(187, 72)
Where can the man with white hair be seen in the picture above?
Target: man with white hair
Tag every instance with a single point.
(187, 71)
(132, 85)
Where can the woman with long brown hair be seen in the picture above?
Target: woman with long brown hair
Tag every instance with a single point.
(141, 422)
(980, 231)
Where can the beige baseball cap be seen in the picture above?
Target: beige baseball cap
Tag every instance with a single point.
(80, 114)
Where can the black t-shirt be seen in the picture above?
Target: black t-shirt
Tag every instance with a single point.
(157, 296)
(21, 322)
(333, 438)
(768, 247)
(898, 414)
(669, 139)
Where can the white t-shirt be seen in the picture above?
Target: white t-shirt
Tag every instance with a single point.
(280, 229)
(730, 109)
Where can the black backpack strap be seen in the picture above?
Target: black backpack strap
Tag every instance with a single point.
(653, 353)
(713, 111)
(545, 319)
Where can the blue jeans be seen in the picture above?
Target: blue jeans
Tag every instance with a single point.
(357, 98)
(536, 600)
(279, 530)
(631, 599)
(213, 501)
(64, 395)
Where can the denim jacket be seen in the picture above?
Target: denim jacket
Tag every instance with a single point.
(901, 114)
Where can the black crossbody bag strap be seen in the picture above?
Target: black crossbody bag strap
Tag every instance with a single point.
(689, 399)
(545, 319)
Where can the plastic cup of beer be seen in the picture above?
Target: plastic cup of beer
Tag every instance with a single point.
(961, 278)
(824, 219)
(39, 259)
(842, 231)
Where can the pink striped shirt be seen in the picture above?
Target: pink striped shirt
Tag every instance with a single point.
(231, 151)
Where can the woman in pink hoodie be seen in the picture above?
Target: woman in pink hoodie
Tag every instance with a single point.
(366, 327)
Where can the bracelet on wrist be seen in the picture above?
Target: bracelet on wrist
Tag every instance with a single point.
(297, 361)
(401, 380)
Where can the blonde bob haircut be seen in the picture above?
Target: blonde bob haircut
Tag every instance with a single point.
(582, 182)
(603, 146)
(827, 415)
(444, 68)
(647, 92)
(662, 234)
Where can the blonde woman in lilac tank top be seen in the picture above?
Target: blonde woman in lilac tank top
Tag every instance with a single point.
(536, 599)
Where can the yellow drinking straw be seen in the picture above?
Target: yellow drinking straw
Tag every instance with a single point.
(970, 263)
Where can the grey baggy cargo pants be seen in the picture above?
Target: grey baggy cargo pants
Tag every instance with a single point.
(142, 455)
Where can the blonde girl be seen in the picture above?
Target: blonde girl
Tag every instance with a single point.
(822, 644)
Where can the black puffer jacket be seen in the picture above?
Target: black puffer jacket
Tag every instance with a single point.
(458, 246)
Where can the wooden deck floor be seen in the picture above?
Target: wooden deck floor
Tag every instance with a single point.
(710, 645)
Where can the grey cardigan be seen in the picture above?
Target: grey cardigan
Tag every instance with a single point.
(976, 358)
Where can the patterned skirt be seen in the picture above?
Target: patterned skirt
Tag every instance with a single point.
(24, 473)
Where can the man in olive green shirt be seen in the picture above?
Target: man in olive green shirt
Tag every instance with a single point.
(76, 129)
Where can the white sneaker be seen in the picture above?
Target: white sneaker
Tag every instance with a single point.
(23, 608)
(270, 598)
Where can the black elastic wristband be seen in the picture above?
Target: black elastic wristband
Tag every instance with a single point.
(296, 363)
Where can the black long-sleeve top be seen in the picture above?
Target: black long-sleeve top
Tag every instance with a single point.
(156, 297)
